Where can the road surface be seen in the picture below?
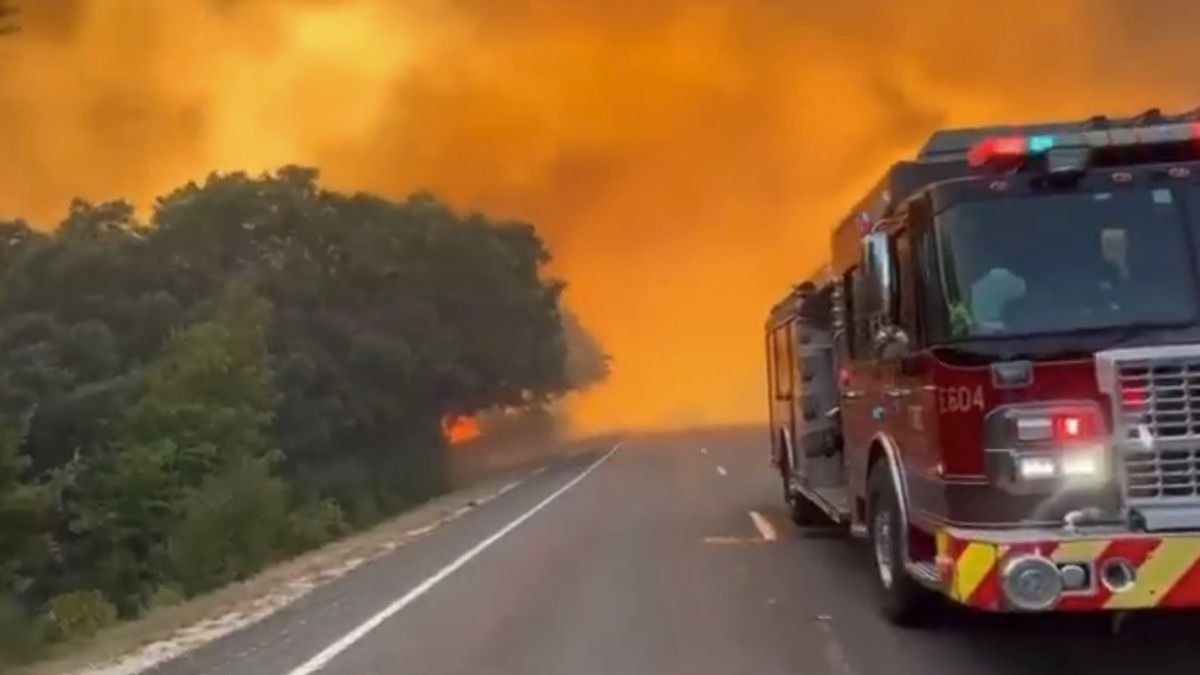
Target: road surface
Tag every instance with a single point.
(670, 555)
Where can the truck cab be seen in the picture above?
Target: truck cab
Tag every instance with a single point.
(996, 379)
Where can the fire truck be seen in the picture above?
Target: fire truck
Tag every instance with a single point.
(995, 377)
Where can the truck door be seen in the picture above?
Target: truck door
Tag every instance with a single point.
(782, 378)
(914, 403)
(911, 405)
(860, 395)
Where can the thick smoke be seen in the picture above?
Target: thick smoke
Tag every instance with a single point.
(685, 159)
(588, 365)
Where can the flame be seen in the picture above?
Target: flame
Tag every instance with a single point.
(685, 160)
(460, 430)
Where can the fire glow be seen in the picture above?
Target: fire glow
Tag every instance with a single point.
(460, 430)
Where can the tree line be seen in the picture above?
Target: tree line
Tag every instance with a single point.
(261, 366)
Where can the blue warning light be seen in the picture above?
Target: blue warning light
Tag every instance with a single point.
(1040, 143)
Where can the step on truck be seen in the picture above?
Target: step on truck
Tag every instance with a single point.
(995, 376)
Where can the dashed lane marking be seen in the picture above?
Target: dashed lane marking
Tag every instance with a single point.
(721, 470)
(765, 528)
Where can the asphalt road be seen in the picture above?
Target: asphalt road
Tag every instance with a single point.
(648, 561)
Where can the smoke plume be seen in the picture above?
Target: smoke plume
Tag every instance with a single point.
(684, 158)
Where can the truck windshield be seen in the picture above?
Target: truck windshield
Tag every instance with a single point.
(1050, 263)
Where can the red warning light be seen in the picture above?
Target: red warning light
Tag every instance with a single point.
(998, 150)
(1073, 427)
(1133, 398)
(844, 377)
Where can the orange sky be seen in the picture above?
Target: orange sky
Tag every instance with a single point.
(684, 158)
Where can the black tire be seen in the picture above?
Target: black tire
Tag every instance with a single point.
(904, 601)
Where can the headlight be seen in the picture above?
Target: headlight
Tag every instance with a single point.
(1036, 468)
(1081, 464)
(1072, 464)
(1038, 447)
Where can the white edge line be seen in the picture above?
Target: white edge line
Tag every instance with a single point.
(765, 528)
(721, 470)
(346, 641)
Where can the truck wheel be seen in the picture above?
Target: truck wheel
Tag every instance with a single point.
(903, 600)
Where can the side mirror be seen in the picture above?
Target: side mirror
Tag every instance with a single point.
(890, 342)
(878, 273)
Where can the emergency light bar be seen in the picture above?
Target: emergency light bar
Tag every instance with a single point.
(1011, 152)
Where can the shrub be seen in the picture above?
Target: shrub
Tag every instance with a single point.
(22, 637)
(165, 596)
(79, 614)
(233, 524)
(314, 524)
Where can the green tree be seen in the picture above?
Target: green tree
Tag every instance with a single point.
(389, 317)
(204, 406)
(81, 311)
(231, 525)
(211, 394)
(24, 506)
(176, 430)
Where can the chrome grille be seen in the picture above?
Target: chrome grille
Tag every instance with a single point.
(1156, 411)
(1163, 396)
(1168, 473)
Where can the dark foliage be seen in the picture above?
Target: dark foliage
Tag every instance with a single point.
(260, 366)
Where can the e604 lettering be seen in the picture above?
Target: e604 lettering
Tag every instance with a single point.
(960, 399)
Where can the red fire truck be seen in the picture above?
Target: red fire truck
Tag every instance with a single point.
(995, 379)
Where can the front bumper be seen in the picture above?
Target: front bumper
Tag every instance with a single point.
(970, 566)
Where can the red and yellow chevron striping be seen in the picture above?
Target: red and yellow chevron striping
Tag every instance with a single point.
(1168, 568)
